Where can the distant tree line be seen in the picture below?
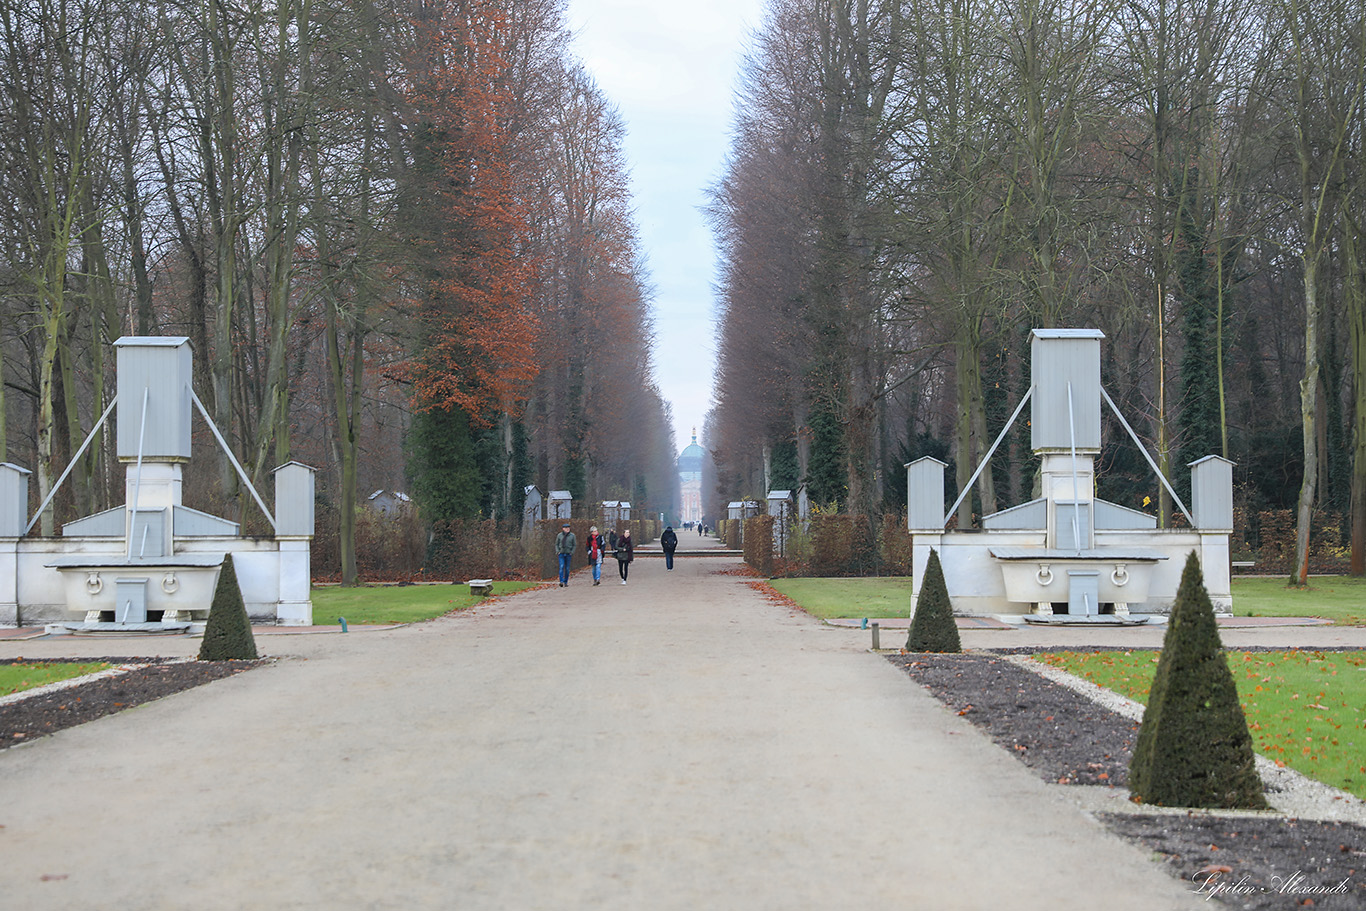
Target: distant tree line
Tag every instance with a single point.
(398, 235)
(913, 187)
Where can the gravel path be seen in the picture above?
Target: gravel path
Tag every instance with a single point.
(679, 742)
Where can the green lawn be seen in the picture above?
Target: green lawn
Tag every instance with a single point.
(1304, 709)
(397, 603)
(885, 596)
(1337, 598)
(17, 677)
(1341, 599)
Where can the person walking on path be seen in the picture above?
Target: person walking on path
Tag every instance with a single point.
(595, 545)
(668, 541)
(565, 543)
(626, 552)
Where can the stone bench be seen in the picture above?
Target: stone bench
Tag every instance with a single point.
(481, 586)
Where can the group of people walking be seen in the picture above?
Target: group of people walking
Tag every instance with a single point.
(598, 545)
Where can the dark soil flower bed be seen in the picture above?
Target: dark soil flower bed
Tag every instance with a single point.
(26, 719)
(1244, 861)
(1061, 734)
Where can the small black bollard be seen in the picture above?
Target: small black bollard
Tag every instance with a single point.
(877, 644)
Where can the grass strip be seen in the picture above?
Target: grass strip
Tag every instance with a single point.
(20, 676)
(875, 598)
(1305, 709)
(381, 604)
(1341, 599)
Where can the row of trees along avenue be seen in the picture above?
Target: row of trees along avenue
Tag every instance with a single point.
(912, 187)
(397, 234)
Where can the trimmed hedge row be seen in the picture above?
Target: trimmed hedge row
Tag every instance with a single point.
(401, 548)
(831, 545)
(732, 532)
(759, 543)
(1269, 538)
(388, 548)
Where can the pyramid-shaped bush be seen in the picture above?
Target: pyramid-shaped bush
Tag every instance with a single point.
(1193, 748)
(932, 627)
(227, 635)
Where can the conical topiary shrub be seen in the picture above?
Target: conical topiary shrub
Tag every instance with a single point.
(932, 627)
(227, 635)
(1194, 749)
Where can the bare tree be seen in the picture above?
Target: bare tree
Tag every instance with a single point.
(1324, 75)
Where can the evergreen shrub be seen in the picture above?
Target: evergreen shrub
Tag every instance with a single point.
(932, 627)
(227, 635)
(1193, 748)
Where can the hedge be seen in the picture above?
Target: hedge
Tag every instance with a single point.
(759, 543)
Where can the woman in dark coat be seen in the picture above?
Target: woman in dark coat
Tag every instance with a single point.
(595, 545)
(626, 552)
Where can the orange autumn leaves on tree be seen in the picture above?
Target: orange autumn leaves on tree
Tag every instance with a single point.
(533, 305)
(480, 331)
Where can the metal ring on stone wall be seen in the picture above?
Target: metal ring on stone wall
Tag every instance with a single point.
(1044, 575)
(1120, 576)
(170, 584)
(94, 584)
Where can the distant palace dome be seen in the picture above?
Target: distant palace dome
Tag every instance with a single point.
(690, 479)
(690, 461)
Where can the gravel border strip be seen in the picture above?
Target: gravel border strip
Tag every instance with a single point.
(1289, 791)
(70, 682)
(117, 670)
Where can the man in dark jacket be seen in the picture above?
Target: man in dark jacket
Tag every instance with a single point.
(565, 543)
(668, 541)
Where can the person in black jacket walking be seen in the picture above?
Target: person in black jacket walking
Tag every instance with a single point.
(626, 552)
(668, 541)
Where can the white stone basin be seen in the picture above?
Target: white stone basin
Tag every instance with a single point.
(1039, 576)
(174, 585)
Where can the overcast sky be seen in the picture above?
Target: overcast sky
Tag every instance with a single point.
(670, 69)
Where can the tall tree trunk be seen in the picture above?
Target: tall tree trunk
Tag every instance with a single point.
(968, 369)
(285, 115)
(1309, 388)
(219, 148)
(47, 365)
(1164, 461)
(4, 412)
(79, 479)
(1356, 314)
(986, 482)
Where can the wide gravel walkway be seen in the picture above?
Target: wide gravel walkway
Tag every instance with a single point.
(675, 743)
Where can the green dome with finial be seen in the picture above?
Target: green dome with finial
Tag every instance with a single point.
(690, 460)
